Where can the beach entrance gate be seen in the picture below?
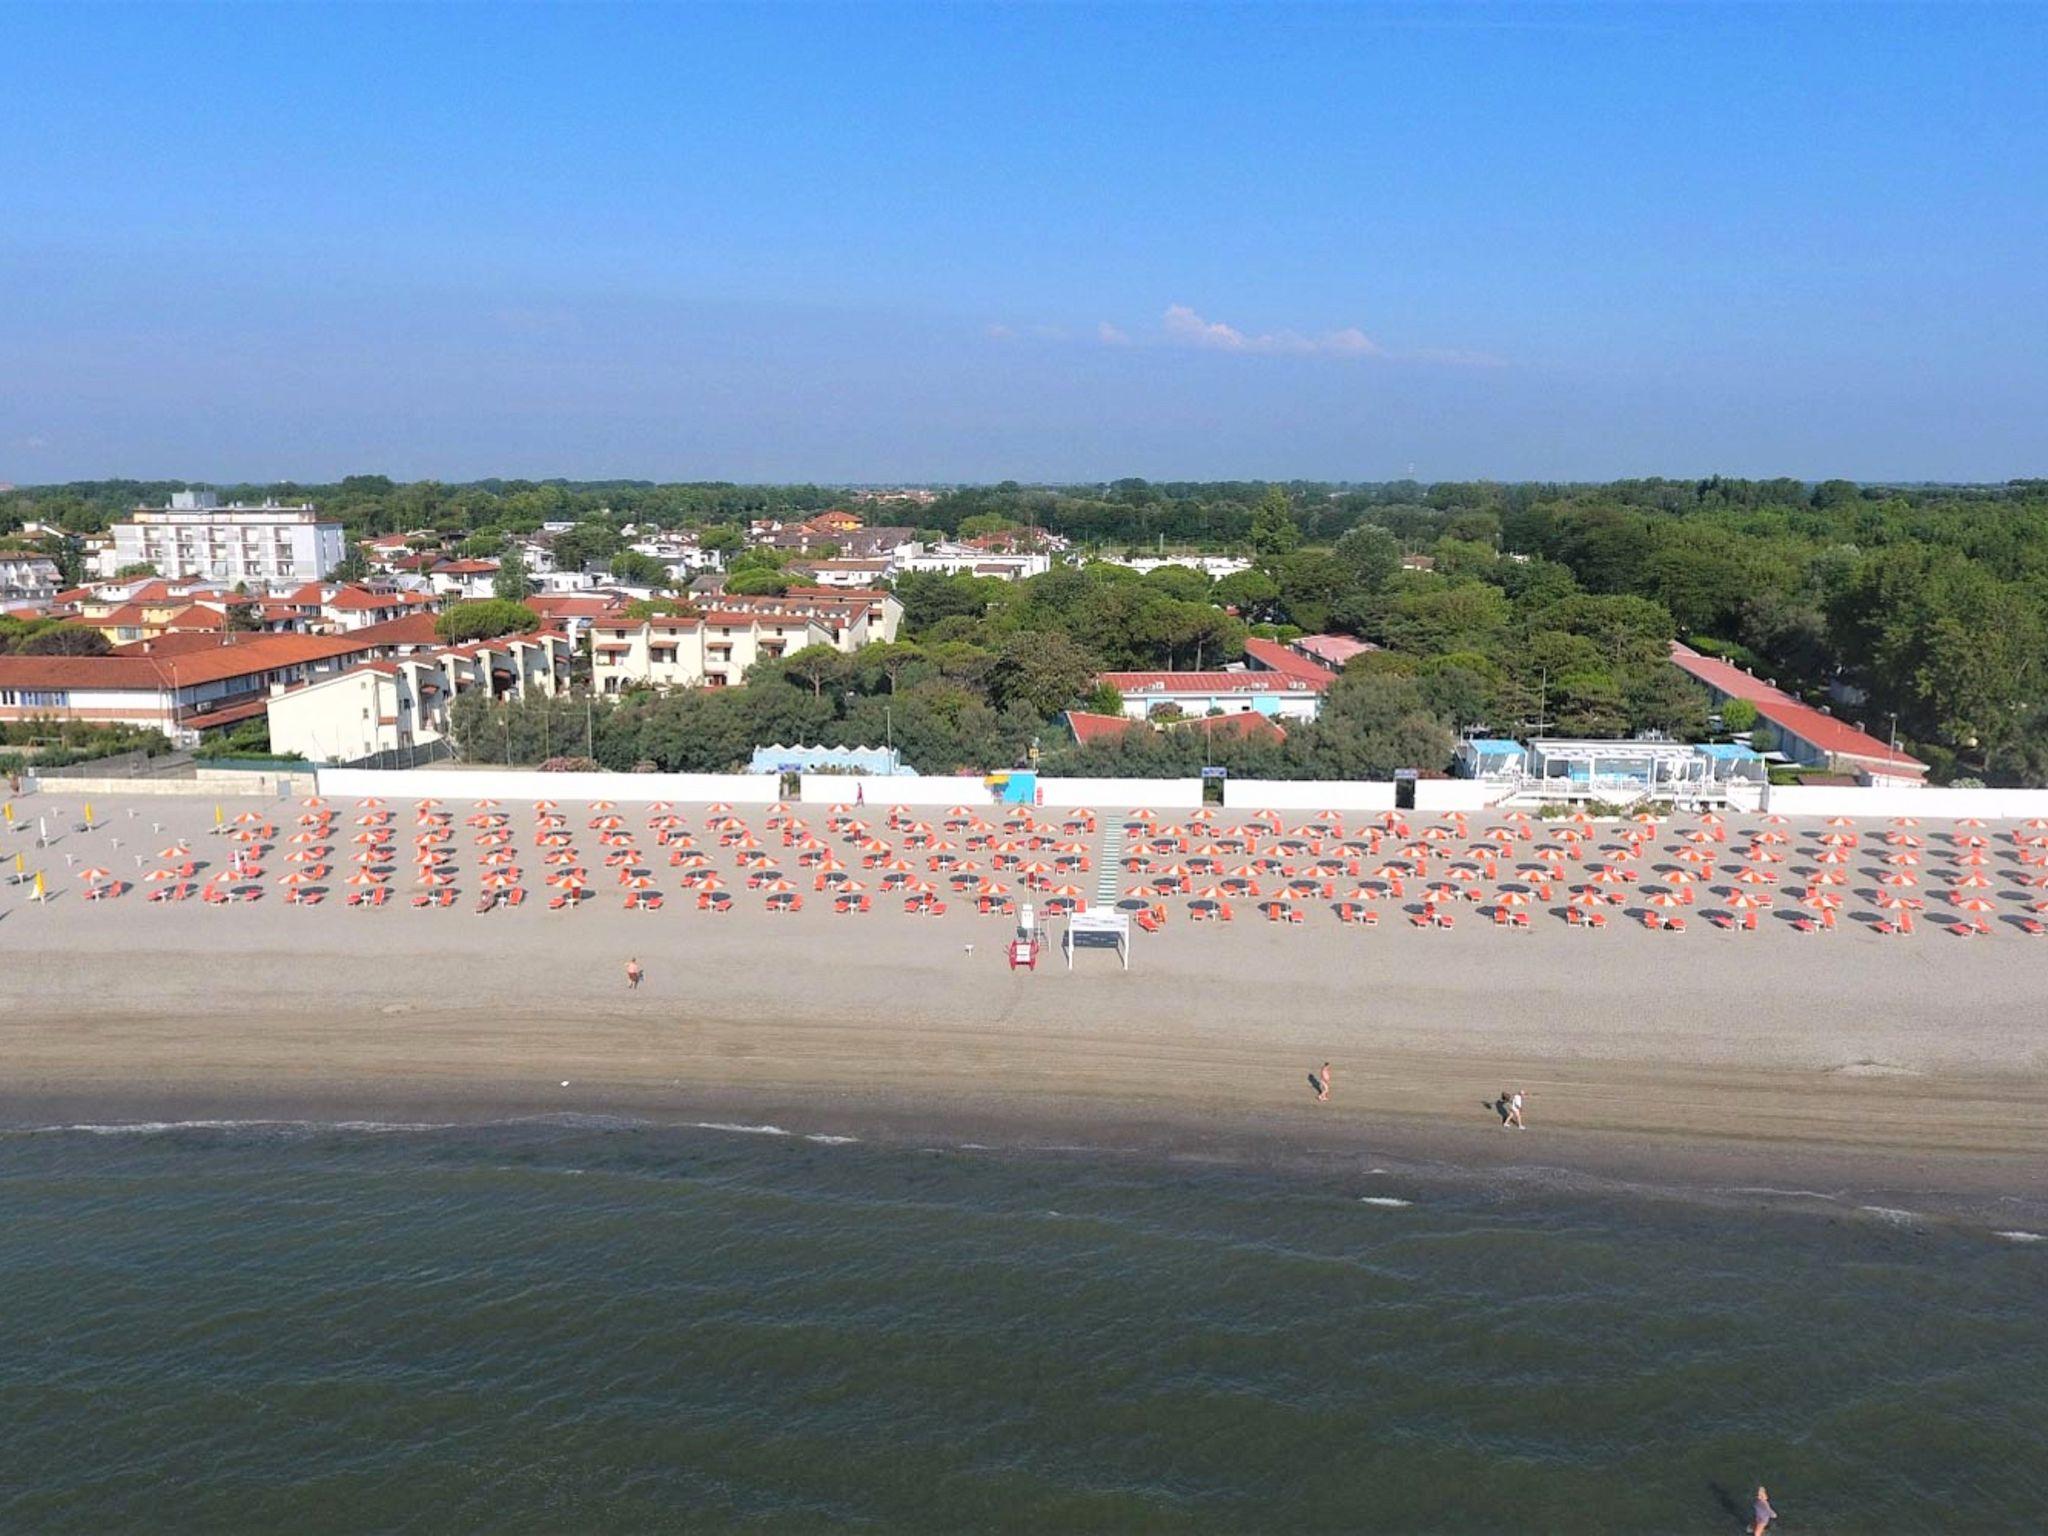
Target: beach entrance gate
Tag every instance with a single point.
(1091, 929)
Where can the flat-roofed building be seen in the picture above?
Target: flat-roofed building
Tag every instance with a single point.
(196, 536)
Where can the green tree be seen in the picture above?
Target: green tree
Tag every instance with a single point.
(630, 565)
(1274, 531)
(484, 620)
(1102, 699)
(817, 666)
(1373, 725)
(511, 584)
(1045, 672)
(1738, 715)
(1372, 554)
(585, 545)
(65, 640)
(1253, 593)
(721, 539)
(757, 583)
(354, 565)
(1311, 581)
(889, 662)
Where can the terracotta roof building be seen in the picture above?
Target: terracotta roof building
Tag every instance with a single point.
(1805, 734)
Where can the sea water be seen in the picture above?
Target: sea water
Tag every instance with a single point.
(566, 1326)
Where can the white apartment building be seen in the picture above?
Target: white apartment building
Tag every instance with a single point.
(465, 580)
(852, 617)
(28, 578)
(196, 536)
(1216, 567)
(711, 650)
(381, 706)
(714, 649)
(966, 560)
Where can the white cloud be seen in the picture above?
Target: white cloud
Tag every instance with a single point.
(1001, 333)
(1112, 336)
(1183, 327)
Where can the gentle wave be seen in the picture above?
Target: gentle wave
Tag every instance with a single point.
(1386, 1200)
(2022, 1237)
(172, 1127)
(1892, 1214)
(1765, 1189)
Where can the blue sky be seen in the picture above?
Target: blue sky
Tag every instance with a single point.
(866, 242)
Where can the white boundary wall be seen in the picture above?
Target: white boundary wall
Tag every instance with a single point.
(237, 786)
(1175, 794)
(512, 784)
(945, 789)
(895, 789)
(1308, 794)
(1457, 794)
(1928, 804)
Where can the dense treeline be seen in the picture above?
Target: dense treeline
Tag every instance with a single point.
(1917, 608)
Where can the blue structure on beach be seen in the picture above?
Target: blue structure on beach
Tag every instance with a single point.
(869, 760)
(1483, 757)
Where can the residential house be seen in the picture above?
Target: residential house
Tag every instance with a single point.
(708, 650)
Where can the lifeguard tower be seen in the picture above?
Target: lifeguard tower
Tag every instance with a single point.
(1028, 943)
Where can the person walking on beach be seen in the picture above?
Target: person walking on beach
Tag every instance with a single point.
(1761, 1513)
(1322, 1081)
(633, 974)
(1510, 1106)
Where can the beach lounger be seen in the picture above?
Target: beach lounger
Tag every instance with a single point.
(1970, 930)
(2028, 926)
(1152, 919)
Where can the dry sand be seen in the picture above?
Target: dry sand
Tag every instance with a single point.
(1731, 1060)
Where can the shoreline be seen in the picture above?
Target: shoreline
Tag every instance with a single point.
(1350, 1145)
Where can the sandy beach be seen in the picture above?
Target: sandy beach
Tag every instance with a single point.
(1732, 1060)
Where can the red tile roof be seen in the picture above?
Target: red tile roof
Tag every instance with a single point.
(1213, 682)
(1272, 656)
(1089, 727)
(1333, 649)
(136, 668)
(356, 600)
(574, 606)
(415, 629)
(1818, 729)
